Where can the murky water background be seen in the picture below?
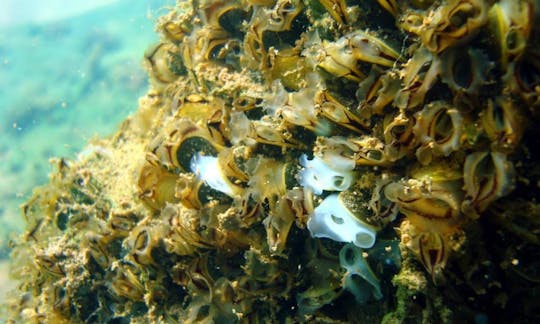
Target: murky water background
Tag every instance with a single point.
(69, 70)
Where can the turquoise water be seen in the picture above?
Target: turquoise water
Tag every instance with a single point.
(69, 70)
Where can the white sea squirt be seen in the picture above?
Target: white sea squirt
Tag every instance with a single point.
(331, 219)
(319, 176)
(350, 258)
(207, 169)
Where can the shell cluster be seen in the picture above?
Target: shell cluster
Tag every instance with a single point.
(274, 131)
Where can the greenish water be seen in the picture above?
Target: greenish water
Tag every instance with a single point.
(63, 81)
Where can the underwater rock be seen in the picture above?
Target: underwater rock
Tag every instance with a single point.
(275, 134)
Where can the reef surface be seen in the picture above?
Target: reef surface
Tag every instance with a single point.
(328, 161)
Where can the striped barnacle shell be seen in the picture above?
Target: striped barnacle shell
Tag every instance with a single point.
(384, 210)
(342, 57)
(283, 15)
(431, 247)
(465, 70)
(210, 44)
(219, 13)
(185, 140)
(390, 5)
(438, 129)
(125, 281)
(156, 185)
(511, 22)
(418, 76)
(369, 48)
(97, 244)
(161, 63)
(503, 121)
(338, 10)
(487, 176)
(431, 202)
(337, 152)
(329, 107)
(453, 22)
(265, 21)
(523, 79)
(370, 151)
(435, 204)
(183, 237)
(337, 60)
(51, 263)
(264, 131)
(121, 222)
(376, 92)
(398, 135)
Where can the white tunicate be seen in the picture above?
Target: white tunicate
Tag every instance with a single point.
(207, 169)
(318, 176)
(350, 258)
(334, 221)
(240, 127)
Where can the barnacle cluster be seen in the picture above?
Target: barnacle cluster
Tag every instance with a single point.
(280, 145)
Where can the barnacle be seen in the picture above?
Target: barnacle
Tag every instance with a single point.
(433, 194)
(329, 107)
(125, 282)
(142, 240)
(185, 140)
(376, 92)
(432, 248)
(451, 23)
(398, 136)
(502, 121)
(184, 237)
(159, 59)
(465, 71)
(97, 248)
(156, 185)
(389, 5)
(338, 10)
(511, 22)
(523, 79)
(487, 176)
(342, 57)
(419, 76)
(263, 22)
(438, 128)
(50, 263)
(283, 150)
(370, 151)
(432, 203)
